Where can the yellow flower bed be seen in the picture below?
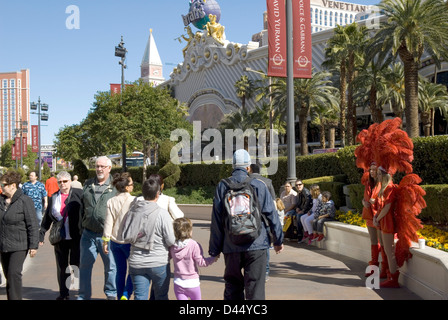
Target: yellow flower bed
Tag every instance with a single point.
(434, 236)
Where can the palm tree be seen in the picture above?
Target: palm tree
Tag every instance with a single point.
(307, 93)
(326, 117)
(344, 52)
(395, 96)
(431, 96)
(244, 89)
(413, 27)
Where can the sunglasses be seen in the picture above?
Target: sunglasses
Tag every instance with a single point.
(299, 184)
(62, 181)
(5, 184)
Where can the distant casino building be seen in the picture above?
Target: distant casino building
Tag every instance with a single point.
(14, 104)
(205, 80)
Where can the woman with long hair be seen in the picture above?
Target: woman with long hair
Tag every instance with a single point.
(384, 220)
(117, 208)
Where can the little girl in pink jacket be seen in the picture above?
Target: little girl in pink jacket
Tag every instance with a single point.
(187, 256)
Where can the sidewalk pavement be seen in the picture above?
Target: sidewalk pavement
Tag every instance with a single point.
(300, 272)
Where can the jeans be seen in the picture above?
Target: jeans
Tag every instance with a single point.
(91, 245)
(142, 277)
(39, 216)
(121, 254)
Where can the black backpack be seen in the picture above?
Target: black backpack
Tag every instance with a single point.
(242, 217)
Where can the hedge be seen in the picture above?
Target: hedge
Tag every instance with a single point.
(436, 200)
(430, 163)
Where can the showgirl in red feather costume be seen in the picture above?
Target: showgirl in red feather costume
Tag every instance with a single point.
(395, 207)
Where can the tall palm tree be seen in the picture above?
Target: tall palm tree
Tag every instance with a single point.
(307, 93)
(357, 36)
(413, 27)
(326, 117)
(431, 97)
(244, 89)
(344, 52)
(395, 96)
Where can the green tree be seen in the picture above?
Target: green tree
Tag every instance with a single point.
(68, 142)
(244, 89)
(345, 53)
(6, 156)
(412, 28)
(308, 93)
(431, 97)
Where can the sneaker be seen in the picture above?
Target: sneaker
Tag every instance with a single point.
(124, 298)
(321, 236)
(63, 298)
(111, 298)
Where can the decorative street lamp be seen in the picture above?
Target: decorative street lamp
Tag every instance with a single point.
(40, 116)
(120, 51)
(290, 117)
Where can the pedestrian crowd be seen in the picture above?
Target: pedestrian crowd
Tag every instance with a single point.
(138, 238)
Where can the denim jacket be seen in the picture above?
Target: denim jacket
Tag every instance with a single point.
(219, 240)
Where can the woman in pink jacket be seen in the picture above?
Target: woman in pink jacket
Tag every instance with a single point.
(187, 256)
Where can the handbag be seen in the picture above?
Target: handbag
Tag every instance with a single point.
(57, 231)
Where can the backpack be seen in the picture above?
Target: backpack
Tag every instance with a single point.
(242, 218)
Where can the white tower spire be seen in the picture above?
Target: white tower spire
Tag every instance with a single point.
(152, 67)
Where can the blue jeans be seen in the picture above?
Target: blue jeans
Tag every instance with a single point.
(142, 277)
(121, 254)
(39, 216)
(91, 245)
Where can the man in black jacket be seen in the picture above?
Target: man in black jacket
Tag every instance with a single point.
(304, 204)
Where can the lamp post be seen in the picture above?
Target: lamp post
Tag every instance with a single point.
(120, 51)
(290, 118)
(40, 116)
(20, 131)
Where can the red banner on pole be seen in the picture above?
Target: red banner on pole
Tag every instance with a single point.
(13, 152)
(24, 147)
(276, 18)
(115, 88)
(35, 138)
(17, 146)
(303, 60)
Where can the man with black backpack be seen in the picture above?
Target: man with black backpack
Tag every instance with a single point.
(242, 210)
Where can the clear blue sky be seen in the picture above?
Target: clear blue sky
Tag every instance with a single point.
(67, 67)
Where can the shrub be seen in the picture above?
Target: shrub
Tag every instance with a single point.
(356, 193)
(436, 203)
(431, 159)
(80, 169)
(169, 171)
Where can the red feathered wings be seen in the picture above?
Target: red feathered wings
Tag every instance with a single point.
(408, 206)
(391, 148)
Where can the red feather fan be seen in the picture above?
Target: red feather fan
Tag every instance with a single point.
(391, 148)
(408, 206)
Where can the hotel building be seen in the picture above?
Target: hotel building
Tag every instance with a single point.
(205, 80)
(14, 104)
